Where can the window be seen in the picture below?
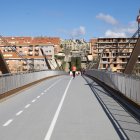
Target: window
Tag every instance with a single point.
(104, 65)
(115, 65)
(107, 54)
(115, 60)
(123, 59)
(104, 59)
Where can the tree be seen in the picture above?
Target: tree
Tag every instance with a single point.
(76, 61)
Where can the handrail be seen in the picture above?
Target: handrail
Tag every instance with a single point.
(12, 81)
(128, 85)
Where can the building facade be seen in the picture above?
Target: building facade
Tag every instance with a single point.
(76, 47)
(113, 53)
(24, 53)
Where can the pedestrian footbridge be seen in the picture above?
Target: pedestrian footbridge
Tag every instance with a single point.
(51, 105)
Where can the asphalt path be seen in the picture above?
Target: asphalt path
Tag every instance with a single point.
(127, 126)
(60, 108)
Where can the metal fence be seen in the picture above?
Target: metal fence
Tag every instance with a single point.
(126, 84)
(12, 81)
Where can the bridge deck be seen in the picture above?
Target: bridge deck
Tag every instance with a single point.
(63, 108)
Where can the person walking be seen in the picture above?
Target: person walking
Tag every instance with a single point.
(73, 71)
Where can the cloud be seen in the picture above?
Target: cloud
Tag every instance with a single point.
(73, 33)
(122, 30)
(113, 34)
(107, 18)
(78, 32)
(131, 28)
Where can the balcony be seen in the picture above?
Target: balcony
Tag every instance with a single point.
(37, 49)
(30, 49)
(24, 63)
(24, 68)
(105, 62)
(36, 53)
(30, 53)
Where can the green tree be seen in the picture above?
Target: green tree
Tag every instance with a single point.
(76, 61)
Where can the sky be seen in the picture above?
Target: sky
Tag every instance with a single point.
(69, 19)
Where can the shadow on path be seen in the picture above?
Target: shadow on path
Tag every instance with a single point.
(126, 125)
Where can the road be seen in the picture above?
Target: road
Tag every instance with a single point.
(60, 108)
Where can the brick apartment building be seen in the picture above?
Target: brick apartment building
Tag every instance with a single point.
(28, 48)
(109, 48)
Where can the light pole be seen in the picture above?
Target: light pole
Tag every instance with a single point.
(138, 20)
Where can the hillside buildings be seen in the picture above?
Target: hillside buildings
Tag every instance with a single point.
(114, 53)
(76, 48)
(24, 54)
(104, 52)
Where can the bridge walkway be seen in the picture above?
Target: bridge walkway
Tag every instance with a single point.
(63, 108)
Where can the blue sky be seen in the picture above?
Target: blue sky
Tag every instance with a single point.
(69, 18)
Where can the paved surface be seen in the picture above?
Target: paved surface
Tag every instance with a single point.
(126, 125)
(59, 108)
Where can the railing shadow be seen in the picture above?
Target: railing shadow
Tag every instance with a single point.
(126, 125)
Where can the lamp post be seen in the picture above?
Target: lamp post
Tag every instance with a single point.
(138, 20)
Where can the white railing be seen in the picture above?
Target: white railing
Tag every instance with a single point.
(12, 81)
(126, 84)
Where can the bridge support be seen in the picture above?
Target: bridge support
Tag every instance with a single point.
(3, 65)
(46, 60)
(133, 58)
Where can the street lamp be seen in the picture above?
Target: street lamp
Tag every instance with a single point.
(138, 20)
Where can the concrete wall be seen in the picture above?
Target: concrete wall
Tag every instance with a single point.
(13, 81)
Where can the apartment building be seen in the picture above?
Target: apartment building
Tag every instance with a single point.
(76, 44)
(76, 47)
(114, 53)
(28, 55)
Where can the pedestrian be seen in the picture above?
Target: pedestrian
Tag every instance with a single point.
(73, 71)
(83, 71)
